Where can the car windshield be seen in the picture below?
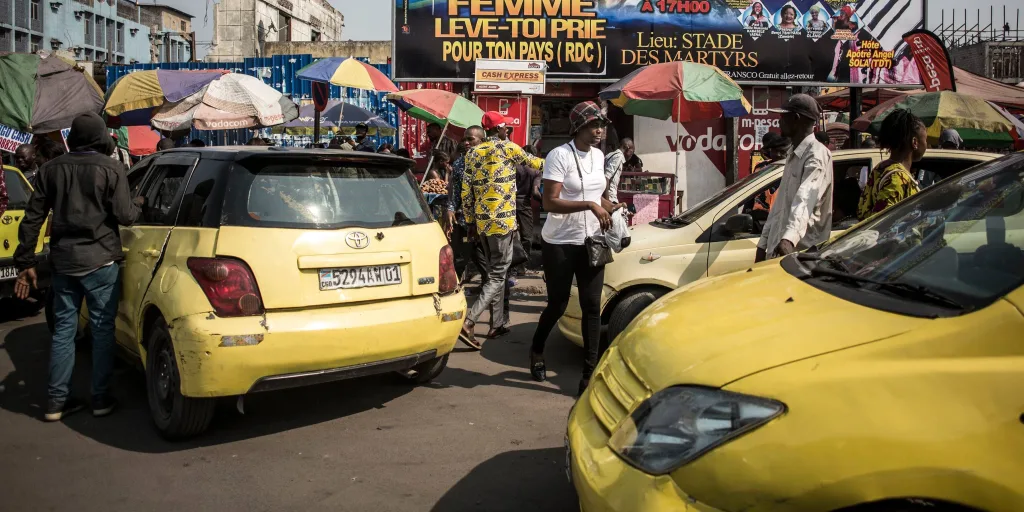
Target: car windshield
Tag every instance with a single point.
(702, 208)
(959, 242)
(17, 191)
(324, 195)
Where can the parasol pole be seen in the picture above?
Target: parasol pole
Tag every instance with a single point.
(444, 129)
(679, 118)
(316, 127)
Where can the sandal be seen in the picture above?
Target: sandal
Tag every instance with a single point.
(537, 368)
(467, 337)
(499, 332)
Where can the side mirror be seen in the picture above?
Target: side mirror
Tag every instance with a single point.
(739, 224)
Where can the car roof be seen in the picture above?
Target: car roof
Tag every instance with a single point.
(931, 153)
(240, 152)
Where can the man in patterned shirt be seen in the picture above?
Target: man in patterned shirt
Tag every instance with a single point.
(489, 205)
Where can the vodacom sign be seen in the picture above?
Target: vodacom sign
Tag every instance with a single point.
(709, 142)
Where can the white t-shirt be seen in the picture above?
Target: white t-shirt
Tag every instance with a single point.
(560, 166)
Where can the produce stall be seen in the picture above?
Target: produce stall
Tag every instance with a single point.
(652, 195)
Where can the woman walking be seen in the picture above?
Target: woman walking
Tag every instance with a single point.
(906, 138)
(574, 186)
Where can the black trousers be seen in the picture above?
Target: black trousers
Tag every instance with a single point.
(472, 251)
(524, 216)
(561, 263)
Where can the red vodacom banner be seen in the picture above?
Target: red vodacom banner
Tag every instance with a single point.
(932, 60)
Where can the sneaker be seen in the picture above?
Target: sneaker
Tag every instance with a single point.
(103, 405)
(58, 409)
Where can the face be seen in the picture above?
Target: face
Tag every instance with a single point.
(628, 150)
(920, 142)
(776, 153)
(788, 16)
(502, 132)
(592, 133)
(471, 139)
(433, 131)
(24, 158)
(360, 133)
(814, 15)
(758, 9)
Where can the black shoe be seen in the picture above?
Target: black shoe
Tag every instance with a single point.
(103, 405)
(537, 368)
(56, 410)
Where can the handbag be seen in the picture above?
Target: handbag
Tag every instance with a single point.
(598, 252)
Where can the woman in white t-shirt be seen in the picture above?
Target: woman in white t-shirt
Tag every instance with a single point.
(574, 186)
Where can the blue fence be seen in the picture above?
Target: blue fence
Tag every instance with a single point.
(278, 72)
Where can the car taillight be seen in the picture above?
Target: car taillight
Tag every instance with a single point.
(228, 284)
(449, 280)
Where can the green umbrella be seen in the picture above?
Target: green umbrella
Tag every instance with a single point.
(978, 123)
(437, 106)
(40, 95)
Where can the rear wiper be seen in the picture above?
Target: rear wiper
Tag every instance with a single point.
(908, 290)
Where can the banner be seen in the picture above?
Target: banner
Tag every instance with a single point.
(10, 138)
(516, 76)
(753, 41)
(932, 60)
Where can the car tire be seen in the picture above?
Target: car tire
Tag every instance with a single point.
(175, 416)
(629, 308)
(427, 370)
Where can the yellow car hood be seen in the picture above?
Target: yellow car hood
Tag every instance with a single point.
(722, 329)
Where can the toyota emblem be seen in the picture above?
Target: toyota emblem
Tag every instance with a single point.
(7, 220)
(357, 240)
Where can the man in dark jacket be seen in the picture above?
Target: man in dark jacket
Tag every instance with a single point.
(87, 191)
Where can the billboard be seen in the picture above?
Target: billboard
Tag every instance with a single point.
(822, 42)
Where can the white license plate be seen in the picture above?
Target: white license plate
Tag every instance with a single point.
(359, 277)
(8, 273)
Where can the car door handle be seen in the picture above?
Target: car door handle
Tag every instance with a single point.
(151, 253)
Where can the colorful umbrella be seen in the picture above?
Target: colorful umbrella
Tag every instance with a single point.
(336, 115)
(437, 106)
(683, 91)
(232, 101)
(138, 140)
(977, 122)
(44, 94)
(347, 72)
(144, 90)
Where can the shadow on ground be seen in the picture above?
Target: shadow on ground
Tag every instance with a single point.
(532, 480)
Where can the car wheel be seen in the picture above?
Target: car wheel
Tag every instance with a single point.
(427, 370)
(628, 309)
(175, 416)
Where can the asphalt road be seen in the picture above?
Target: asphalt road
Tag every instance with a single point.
(483, 436)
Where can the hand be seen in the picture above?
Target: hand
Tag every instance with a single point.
(448, 223)
(602, 216)
(761, 255)
(618, 206)
(26, 282)
(139, 201)
(785, 247)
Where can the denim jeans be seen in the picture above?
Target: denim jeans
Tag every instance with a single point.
(101, 290)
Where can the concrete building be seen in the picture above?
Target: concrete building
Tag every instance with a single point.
(1002, 61)
(90, 30)
(378, 52)
(244, 27)
(172, 39)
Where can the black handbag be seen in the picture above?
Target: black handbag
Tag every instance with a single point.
(598, 252)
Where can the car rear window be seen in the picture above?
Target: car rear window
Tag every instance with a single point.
(17, 191)
(323, 195)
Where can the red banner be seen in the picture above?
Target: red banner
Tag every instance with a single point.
(932, 60)
(321, 93)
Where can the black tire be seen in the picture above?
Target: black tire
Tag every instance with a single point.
(629, 308)
(427, 370)
(174, 415)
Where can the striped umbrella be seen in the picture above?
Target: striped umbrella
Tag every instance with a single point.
(133, 97)
(336, 115)
(437, 106)
(232, 101)
(347, 72)
(976, 120)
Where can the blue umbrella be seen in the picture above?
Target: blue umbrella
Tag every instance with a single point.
(337, 115)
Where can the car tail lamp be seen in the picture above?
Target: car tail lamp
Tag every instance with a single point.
(449, 280)
(228, 284)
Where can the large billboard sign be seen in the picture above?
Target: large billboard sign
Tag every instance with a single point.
(831, 42)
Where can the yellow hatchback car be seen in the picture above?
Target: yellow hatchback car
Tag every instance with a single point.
(883, 373)
(18, 193)
(253, 269)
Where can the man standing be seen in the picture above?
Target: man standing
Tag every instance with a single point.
(801, 215)
(488, 203)
(25, 161)
(363, 142)
(774, 147)
(435, 140)
(87, 191)
(614, 164)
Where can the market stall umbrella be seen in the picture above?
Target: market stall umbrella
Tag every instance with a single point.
(138, 140)
(437, 106)
(40, 95)
(347, 72)
(133, 97)
(230, 102)
(977, 121)
(337, 115)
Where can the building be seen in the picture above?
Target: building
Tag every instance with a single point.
(243, 27)
(1002, 61)
(376, 52)
(90, 30)
(171, 36)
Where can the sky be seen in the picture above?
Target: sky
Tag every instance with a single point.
(370, 20)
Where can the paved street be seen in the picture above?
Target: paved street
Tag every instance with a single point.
(483, 436)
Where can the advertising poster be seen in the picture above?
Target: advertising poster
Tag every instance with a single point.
(515, 108)
(10, 138)
(752, 41)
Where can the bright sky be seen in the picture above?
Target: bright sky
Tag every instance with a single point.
(370, 20)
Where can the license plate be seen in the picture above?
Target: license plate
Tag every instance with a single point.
(359, 277)
(8, 273)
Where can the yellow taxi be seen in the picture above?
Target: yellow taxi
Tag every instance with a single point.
(881, 373)
(720, 234)
(254, 269)
(18, 193)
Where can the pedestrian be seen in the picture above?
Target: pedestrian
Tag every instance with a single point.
(490, 214)
(527, 189)
(891, 181)
(347, 144)
(404, 153)
(363, 142)
(25, 161)
(437, 140)
(455, 220)
(168, 143)
(196, 143)
(440, 166)
(87, 193)
(774, 147)
(801, 214)
(614, 164)
(334, 143)
(950, 139)
(385, 148)
(574, 186)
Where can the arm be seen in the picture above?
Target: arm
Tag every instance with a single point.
(468, 201)
(807, 197)
(124, 208)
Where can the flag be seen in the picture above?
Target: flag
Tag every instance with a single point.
(932, 60)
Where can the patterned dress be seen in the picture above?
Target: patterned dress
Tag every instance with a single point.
(885, 187)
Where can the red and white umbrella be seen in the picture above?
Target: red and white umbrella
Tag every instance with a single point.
(229, 102)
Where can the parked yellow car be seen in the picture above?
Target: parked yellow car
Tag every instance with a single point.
(670, 253)
(883, 373)
(254, 269)
(18, 192)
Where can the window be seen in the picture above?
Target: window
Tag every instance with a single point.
(35, 10)
(201, 203)
(314, 35)
(183, 26)
(846, 190)
(756, 205)
(88, 28)
(33, 46)
(284, 28)
(17, 191)
(161, 188)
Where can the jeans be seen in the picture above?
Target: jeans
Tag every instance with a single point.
(497, 252)
(561, 263)
(101, 290)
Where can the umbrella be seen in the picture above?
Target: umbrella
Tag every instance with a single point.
(347, 72)
(138, 140)
(44, 94)
(682, 91)
(133, 96)
(1018, 132)
(437, 106)
(336, 115)
(977, 122)
(231, 101)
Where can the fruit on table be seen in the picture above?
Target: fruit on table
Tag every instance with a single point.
(434, 186)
